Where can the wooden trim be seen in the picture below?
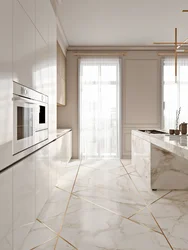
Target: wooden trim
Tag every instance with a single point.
(117, 49)
(172, 54)
(100, 54)
(171, 43)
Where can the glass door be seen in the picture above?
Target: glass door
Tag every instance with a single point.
(99, 108)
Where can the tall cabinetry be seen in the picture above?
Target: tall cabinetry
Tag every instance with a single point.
(61, 77)
(6, 121)
(25, 187)
(23, 46)
(35, 51)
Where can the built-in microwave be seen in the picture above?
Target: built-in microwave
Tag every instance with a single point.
(30, 117)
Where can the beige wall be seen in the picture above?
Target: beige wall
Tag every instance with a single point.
(141, 96)
(67, 117)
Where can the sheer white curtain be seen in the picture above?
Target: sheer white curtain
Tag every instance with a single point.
(99, 83)
(175, 94)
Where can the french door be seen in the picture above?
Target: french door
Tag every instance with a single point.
(99, 107)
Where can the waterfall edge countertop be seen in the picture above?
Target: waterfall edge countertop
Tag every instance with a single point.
(176, 144)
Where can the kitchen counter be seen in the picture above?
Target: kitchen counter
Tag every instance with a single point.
(177, 144)
(161, 159)
(6, 150)
(60, 132)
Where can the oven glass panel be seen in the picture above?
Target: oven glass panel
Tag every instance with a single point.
(24, 122)
(42, 111)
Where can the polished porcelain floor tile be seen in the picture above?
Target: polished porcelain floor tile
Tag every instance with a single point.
(91, 177)
(109, 209)
(48, 245)
(67, 178)
(37, 236)
(55, 244)
(118, 195)
(102, 164)
(148, 195)
(126, 162)
(145, 217)
(87, 226)
(130, 168)
(54, 209)
(172, 217)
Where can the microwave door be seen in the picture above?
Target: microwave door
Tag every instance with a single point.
(24, 124)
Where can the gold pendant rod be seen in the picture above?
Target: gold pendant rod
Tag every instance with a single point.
(176, 38)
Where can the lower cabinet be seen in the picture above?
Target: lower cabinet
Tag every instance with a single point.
(42, 178)
(25, 188)
(6, 210)
(23, 199)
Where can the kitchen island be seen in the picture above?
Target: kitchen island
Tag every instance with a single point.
(161, 159)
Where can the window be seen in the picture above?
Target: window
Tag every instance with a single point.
(175, 95)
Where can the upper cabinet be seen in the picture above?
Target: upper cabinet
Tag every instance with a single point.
(6, 107)
(29, 7)
(23, 47)
(41, 71)
(52, 58)
(42, 17)
(61, 77)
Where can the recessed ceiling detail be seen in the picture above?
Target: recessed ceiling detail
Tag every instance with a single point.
(121, 22)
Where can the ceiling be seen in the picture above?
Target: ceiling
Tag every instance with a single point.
(122, 22)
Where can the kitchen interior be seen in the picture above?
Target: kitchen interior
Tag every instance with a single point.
(93, 134)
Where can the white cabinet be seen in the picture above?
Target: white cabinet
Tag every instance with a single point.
(25, 188)
(41, 73)
(29, 7)
(6, 109)
(69, 146)
(23, 199)
(23, 47)
(61, 77)
(64, 152)
(42, 17)
(6, 210)
(42, 178)
(53, 166)
(60, 155)
(52, 55)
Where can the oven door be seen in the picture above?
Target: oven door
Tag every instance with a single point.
(24, 123)
(42, 116)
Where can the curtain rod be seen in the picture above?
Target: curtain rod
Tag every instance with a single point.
(99, 53)
(172, 54)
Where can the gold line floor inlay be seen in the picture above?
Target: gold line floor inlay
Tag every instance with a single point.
(67, 205)
(73, 194)
(127, 218)
(161, 229)
(43, 243)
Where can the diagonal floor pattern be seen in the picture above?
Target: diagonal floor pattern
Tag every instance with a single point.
(105, 205)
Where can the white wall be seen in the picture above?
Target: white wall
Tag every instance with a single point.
(141, 97)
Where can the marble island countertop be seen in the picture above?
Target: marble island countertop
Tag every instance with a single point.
(177, 144)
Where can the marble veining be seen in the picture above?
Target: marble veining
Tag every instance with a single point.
(161, 163)
(110, 209)
(101, 229)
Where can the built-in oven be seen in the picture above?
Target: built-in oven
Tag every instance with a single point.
(30, 121)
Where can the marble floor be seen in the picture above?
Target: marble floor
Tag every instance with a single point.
(105, 205)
